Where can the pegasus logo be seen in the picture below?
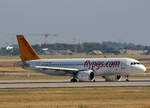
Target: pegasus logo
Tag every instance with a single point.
(28, 47)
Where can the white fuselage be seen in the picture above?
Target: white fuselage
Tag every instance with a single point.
(100, 66)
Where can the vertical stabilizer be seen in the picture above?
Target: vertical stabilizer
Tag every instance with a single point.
(26, 50)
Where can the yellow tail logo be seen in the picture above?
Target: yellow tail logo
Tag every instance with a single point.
(26, 50)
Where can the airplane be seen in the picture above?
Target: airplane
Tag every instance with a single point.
(81, 69)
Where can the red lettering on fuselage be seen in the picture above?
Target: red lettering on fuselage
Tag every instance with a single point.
(99, 64)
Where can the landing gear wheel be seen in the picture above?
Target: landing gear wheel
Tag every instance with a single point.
(94, 80)
(73, 80)
(127, 78)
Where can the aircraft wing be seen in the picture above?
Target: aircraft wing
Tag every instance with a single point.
(57, 69)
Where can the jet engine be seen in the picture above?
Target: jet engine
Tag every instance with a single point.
(112, 77)
(86, 75)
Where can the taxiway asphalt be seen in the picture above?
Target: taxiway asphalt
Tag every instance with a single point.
(22, 84)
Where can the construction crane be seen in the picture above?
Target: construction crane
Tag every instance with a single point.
(45, 35)
(12, 41)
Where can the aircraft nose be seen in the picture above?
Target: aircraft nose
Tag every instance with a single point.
(143, 68)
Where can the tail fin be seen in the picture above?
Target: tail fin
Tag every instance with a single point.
(26, 50)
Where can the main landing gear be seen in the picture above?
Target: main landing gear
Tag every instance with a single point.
(74, 79)
(127, 78)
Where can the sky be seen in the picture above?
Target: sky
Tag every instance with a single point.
(80, 20)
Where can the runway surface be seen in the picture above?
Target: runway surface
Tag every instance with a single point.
(13, 73)
(21, 84)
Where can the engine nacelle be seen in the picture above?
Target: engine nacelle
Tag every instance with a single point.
(86, 75)
(112, 77)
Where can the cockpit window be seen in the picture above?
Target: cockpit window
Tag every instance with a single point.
(134, 63)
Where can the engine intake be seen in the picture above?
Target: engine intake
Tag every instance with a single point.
(86, 75)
